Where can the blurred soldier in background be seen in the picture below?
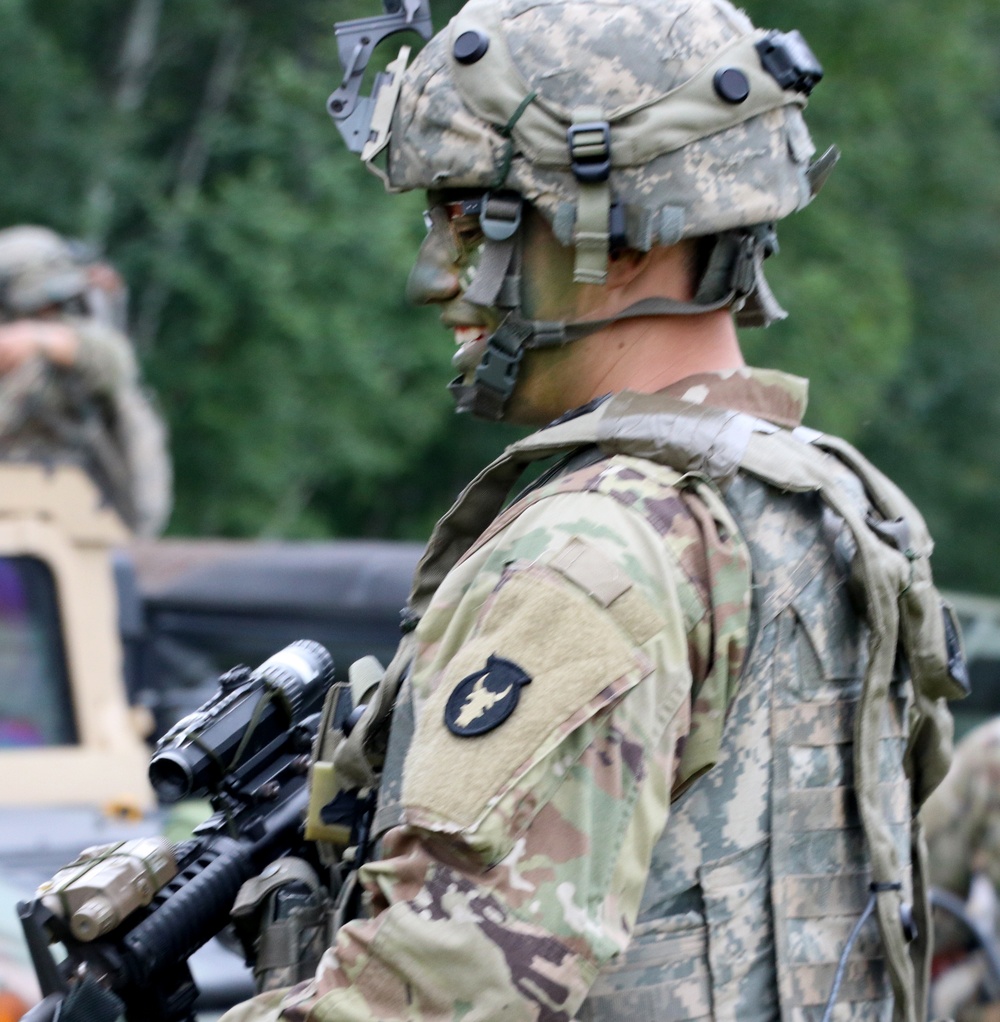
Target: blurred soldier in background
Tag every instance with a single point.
(962, 821)
(69, 382)
(653, 756)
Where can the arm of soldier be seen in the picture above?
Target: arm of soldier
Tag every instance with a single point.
(962, 816)
(104, 359)
(24, 339)
(100, 354)
(525, 852)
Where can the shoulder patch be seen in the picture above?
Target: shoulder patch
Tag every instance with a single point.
(579, 659)
(485, 699)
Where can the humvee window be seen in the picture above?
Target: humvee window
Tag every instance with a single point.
(35, 704)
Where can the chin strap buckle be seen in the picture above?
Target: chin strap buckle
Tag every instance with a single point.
(498, 369)
(496, 375)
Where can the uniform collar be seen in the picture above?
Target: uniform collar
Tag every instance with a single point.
(766, 393)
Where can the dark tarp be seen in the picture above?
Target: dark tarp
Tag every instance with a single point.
(194, 608)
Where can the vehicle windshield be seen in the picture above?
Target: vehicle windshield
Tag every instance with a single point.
(35, 704)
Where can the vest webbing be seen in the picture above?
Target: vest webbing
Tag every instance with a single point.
(903, 609)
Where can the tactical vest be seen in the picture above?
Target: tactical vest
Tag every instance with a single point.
(749, 905)
(840, 716)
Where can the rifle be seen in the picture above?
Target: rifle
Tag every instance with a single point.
(248, 749)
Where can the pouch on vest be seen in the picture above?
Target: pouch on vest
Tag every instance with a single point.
(281, 919)
(338, 803)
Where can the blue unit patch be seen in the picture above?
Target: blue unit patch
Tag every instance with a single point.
(484, 700)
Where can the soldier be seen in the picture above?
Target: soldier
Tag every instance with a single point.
(962, 820)
(654, 755)
(69, 382)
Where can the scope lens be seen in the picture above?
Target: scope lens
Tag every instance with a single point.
(221, 744)
(170, 776)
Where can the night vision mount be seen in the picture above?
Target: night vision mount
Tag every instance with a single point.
(356, 41)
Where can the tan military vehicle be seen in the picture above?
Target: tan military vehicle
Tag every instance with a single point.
(72, 750)
(68, 735)
(106, 641)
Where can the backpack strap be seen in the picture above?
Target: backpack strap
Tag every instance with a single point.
(903, 610)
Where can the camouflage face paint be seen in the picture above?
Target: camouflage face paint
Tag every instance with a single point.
(444, 270)
(547, 288)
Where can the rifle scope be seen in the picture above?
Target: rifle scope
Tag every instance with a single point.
(244, 725)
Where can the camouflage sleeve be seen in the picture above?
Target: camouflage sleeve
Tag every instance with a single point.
(105, 360)
(107, 366)
(552, 692)
(962, 816)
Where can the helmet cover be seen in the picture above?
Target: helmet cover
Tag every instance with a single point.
(685, 161)
(38, 268)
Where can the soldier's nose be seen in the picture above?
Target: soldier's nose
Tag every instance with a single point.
(434, 277)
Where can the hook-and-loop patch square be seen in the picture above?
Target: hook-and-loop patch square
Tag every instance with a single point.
(561, 650)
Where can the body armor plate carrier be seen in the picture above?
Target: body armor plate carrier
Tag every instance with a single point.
(840, 715)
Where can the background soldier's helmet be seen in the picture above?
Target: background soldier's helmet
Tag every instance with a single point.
(38, 269)
(634, 123)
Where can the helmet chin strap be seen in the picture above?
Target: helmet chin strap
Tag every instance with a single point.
(733, 278)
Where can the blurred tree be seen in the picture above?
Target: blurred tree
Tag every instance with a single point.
(890, 276)
(267, 268)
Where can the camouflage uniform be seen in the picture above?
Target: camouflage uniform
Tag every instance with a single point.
(962, 817)
(94, 413)
(649, 761)
(575, 848)
(962, 820)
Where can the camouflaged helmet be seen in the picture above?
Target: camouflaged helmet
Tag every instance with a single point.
(38, 268)
(669, 99)
(640, 122)
(626, 123)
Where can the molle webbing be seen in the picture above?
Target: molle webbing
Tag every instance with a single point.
(886, 574)
(902, 607)
(891, 565)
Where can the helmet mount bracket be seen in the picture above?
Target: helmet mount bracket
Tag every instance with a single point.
(356, 42)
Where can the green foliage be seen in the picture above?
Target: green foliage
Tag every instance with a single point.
(267, 268)
(306, 397)
(891, 275)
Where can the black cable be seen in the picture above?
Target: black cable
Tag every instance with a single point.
(842, 964)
